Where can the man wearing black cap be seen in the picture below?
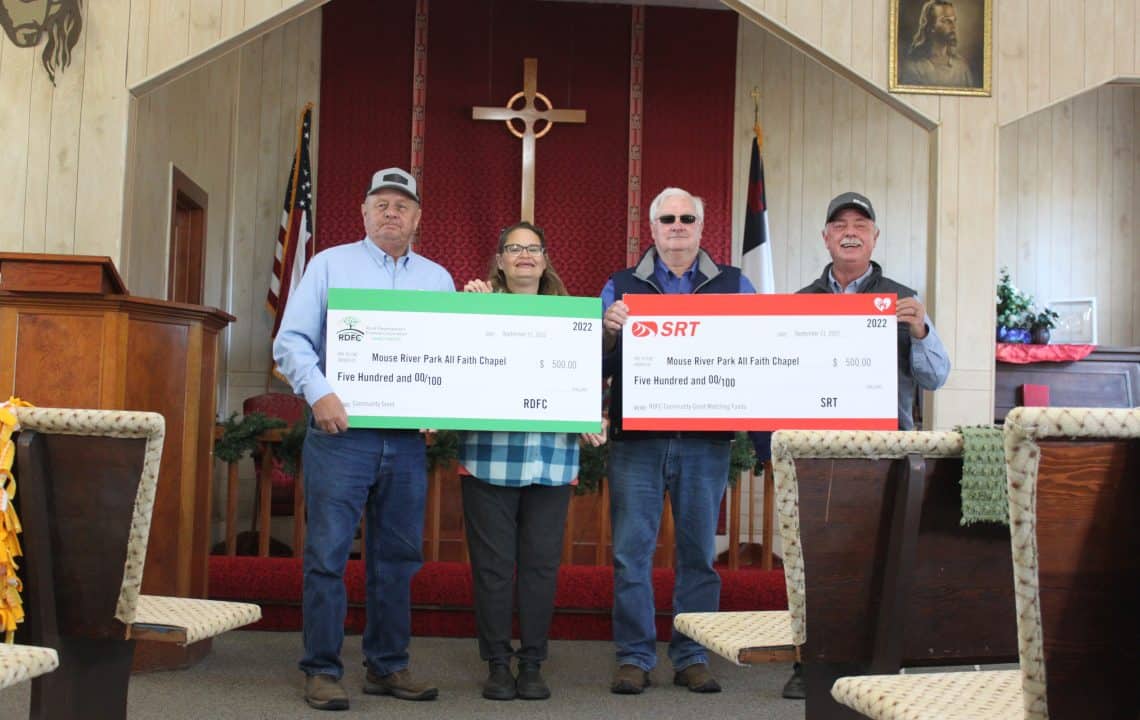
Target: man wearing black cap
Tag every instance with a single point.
(850, 236)
(352, 471)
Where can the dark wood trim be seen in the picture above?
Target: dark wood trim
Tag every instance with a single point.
(186, 263)
(898, 578)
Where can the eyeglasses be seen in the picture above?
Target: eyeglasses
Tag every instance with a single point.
(670, 219)
(513, 249)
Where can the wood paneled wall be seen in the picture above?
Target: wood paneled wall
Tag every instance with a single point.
(279, 74)
(1045, 51)
(820, 134)
(1069, 194)
(65, 148)
(231, 127)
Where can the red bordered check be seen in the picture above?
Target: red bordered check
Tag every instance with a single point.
(760, 362)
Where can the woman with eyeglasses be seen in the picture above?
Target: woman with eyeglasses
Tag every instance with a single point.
(515, 501)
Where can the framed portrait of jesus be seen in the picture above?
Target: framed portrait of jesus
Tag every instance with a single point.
(943, 47)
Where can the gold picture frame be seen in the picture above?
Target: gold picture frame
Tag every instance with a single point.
(941, 47)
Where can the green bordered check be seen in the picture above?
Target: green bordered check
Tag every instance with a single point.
(465, 361)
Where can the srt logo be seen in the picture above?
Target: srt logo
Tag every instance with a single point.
(669, 328)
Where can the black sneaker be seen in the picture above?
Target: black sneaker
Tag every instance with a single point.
(500, 684)
(530, 684)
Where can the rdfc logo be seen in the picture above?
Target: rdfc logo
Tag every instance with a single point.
(669, 328)
(349, 333)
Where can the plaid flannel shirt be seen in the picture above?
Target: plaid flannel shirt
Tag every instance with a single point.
(518, 459)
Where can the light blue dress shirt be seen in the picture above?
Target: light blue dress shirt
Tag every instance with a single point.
(299, 349)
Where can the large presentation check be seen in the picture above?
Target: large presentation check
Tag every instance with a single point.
(760, 362)
(465, 361)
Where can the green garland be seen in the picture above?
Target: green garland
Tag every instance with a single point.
(288, 451)
(593, 464)
(742, 457)
(443, 449)
(239, 437)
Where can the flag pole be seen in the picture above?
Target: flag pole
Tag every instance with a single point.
(756, 117)
(287, 238)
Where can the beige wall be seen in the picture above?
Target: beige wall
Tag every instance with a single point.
(1069, 190)
(231, 127)
(820, 133)
(65, 148)
(1045, 51)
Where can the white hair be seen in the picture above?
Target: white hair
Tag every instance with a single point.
(698, 204)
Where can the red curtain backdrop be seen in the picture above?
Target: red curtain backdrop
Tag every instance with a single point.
(365, 108)
(690, 76)
(472, 169)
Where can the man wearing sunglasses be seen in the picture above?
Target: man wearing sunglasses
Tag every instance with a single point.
(691, 466)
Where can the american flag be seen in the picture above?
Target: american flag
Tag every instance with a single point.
(756, 255)
(295, 244)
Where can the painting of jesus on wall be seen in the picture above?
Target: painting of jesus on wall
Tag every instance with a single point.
(941, 46)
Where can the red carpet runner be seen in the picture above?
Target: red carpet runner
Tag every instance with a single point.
(441, 596)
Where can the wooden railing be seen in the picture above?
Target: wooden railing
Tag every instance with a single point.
(586, 540)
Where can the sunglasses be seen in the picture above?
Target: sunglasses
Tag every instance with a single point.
(670, 219)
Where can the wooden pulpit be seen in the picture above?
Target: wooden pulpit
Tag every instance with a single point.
(71, 336)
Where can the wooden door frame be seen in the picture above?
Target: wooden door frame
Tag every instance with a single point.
(185, 193)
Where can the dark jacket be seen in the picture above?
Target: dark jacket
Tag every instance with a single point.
(876, 282)
(709, 277)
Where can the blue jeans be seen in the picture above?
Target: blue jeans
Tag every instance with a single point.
(695, 474)
(382, 474)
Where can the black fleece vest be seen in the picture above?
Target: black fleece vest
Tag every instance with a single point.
(634, 281)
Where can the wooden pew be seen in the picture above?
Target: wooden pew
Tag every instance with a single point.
(1074, 481)
(88, 480)
(876, 556)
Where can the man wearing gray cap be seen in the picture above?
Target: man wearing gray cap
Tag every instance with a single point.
(380, 473)
(850, 235)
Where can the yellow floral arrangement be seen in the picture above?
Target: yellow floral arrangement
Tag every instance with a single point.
(11, 607)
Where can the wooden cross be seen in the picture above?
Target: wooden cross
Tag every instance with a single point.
(530, 115)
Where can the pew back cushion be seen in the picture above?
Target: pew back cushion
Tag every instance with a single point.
(788, 445)
(1073, 494)
(104, 496)
(92, 477)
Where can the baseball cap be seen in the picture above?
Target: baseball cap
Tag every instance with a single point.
(852, 200)
(396, 179)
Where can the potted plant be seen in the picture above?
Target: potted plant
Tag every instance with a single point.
(1014, 311)
(1040, 324)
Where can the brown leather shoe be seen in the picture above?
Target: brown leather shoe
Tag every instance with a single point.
(324, 692)
(697, 678)
(399, 684)
(629, 680)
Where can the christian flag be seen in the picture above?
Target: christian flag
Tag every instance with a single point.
(756, 256)
(295, 245)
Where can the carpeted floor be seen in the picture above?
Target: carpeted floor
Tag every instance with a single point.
(442, 596)
(253, 676)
